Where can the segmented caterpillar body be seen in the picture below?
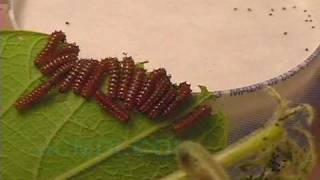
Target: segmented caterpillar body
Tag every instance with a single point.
(66, 83)
(160, 89)
(109, 105)
(85, 71)
(163, 103)
(61, 72)
(153, 94)
(34, 96)
(46, 54)
(54, 64)
(127, 70)
(183, 95)
(192, 118)
(95, 80)
(149, 85)
(69, 48)
(134, 87)
(114, 75)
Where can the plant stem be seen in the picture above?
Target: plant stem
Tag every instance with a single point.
(249, 146)
(255, 143)
(264, 138)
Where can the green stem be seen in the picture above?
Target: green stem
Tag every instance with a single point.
(253, 144)
(263, 138)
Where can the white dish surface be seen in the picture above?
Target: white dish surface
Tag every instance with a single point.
(205, 42)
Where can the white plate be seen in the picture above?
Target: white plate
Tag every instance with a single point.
(205, 42)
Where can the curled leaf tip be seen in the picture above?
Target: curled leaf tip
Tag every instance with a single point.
(203, 88)
(141, 64)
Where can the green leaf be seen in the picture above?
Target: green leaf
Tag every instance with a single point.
(65, 136)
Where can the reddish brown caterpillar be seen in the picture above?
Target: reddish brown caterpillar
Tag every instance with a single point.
(183, 95)
(126, 76)
(95, 80)
(163, 103)
(46, 54)
(54, 64)
(85, 71)
(67, 82)
(39, 92)
(154, 95)
(61, 72)
(108, 105)
(69, 48)
(149, 85)
(114, 74)
(159, 91)
(135, 85)
(192, 118)
(34, 96)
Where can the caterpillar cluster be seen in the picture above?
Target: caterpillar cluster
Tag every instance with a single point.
(129, 86)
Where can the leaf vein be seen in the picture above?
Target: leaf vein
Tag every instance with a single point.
(21, 167)
(54, 134)
(105, 155)
(18, 133)
(5, 109)
(20, 149)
